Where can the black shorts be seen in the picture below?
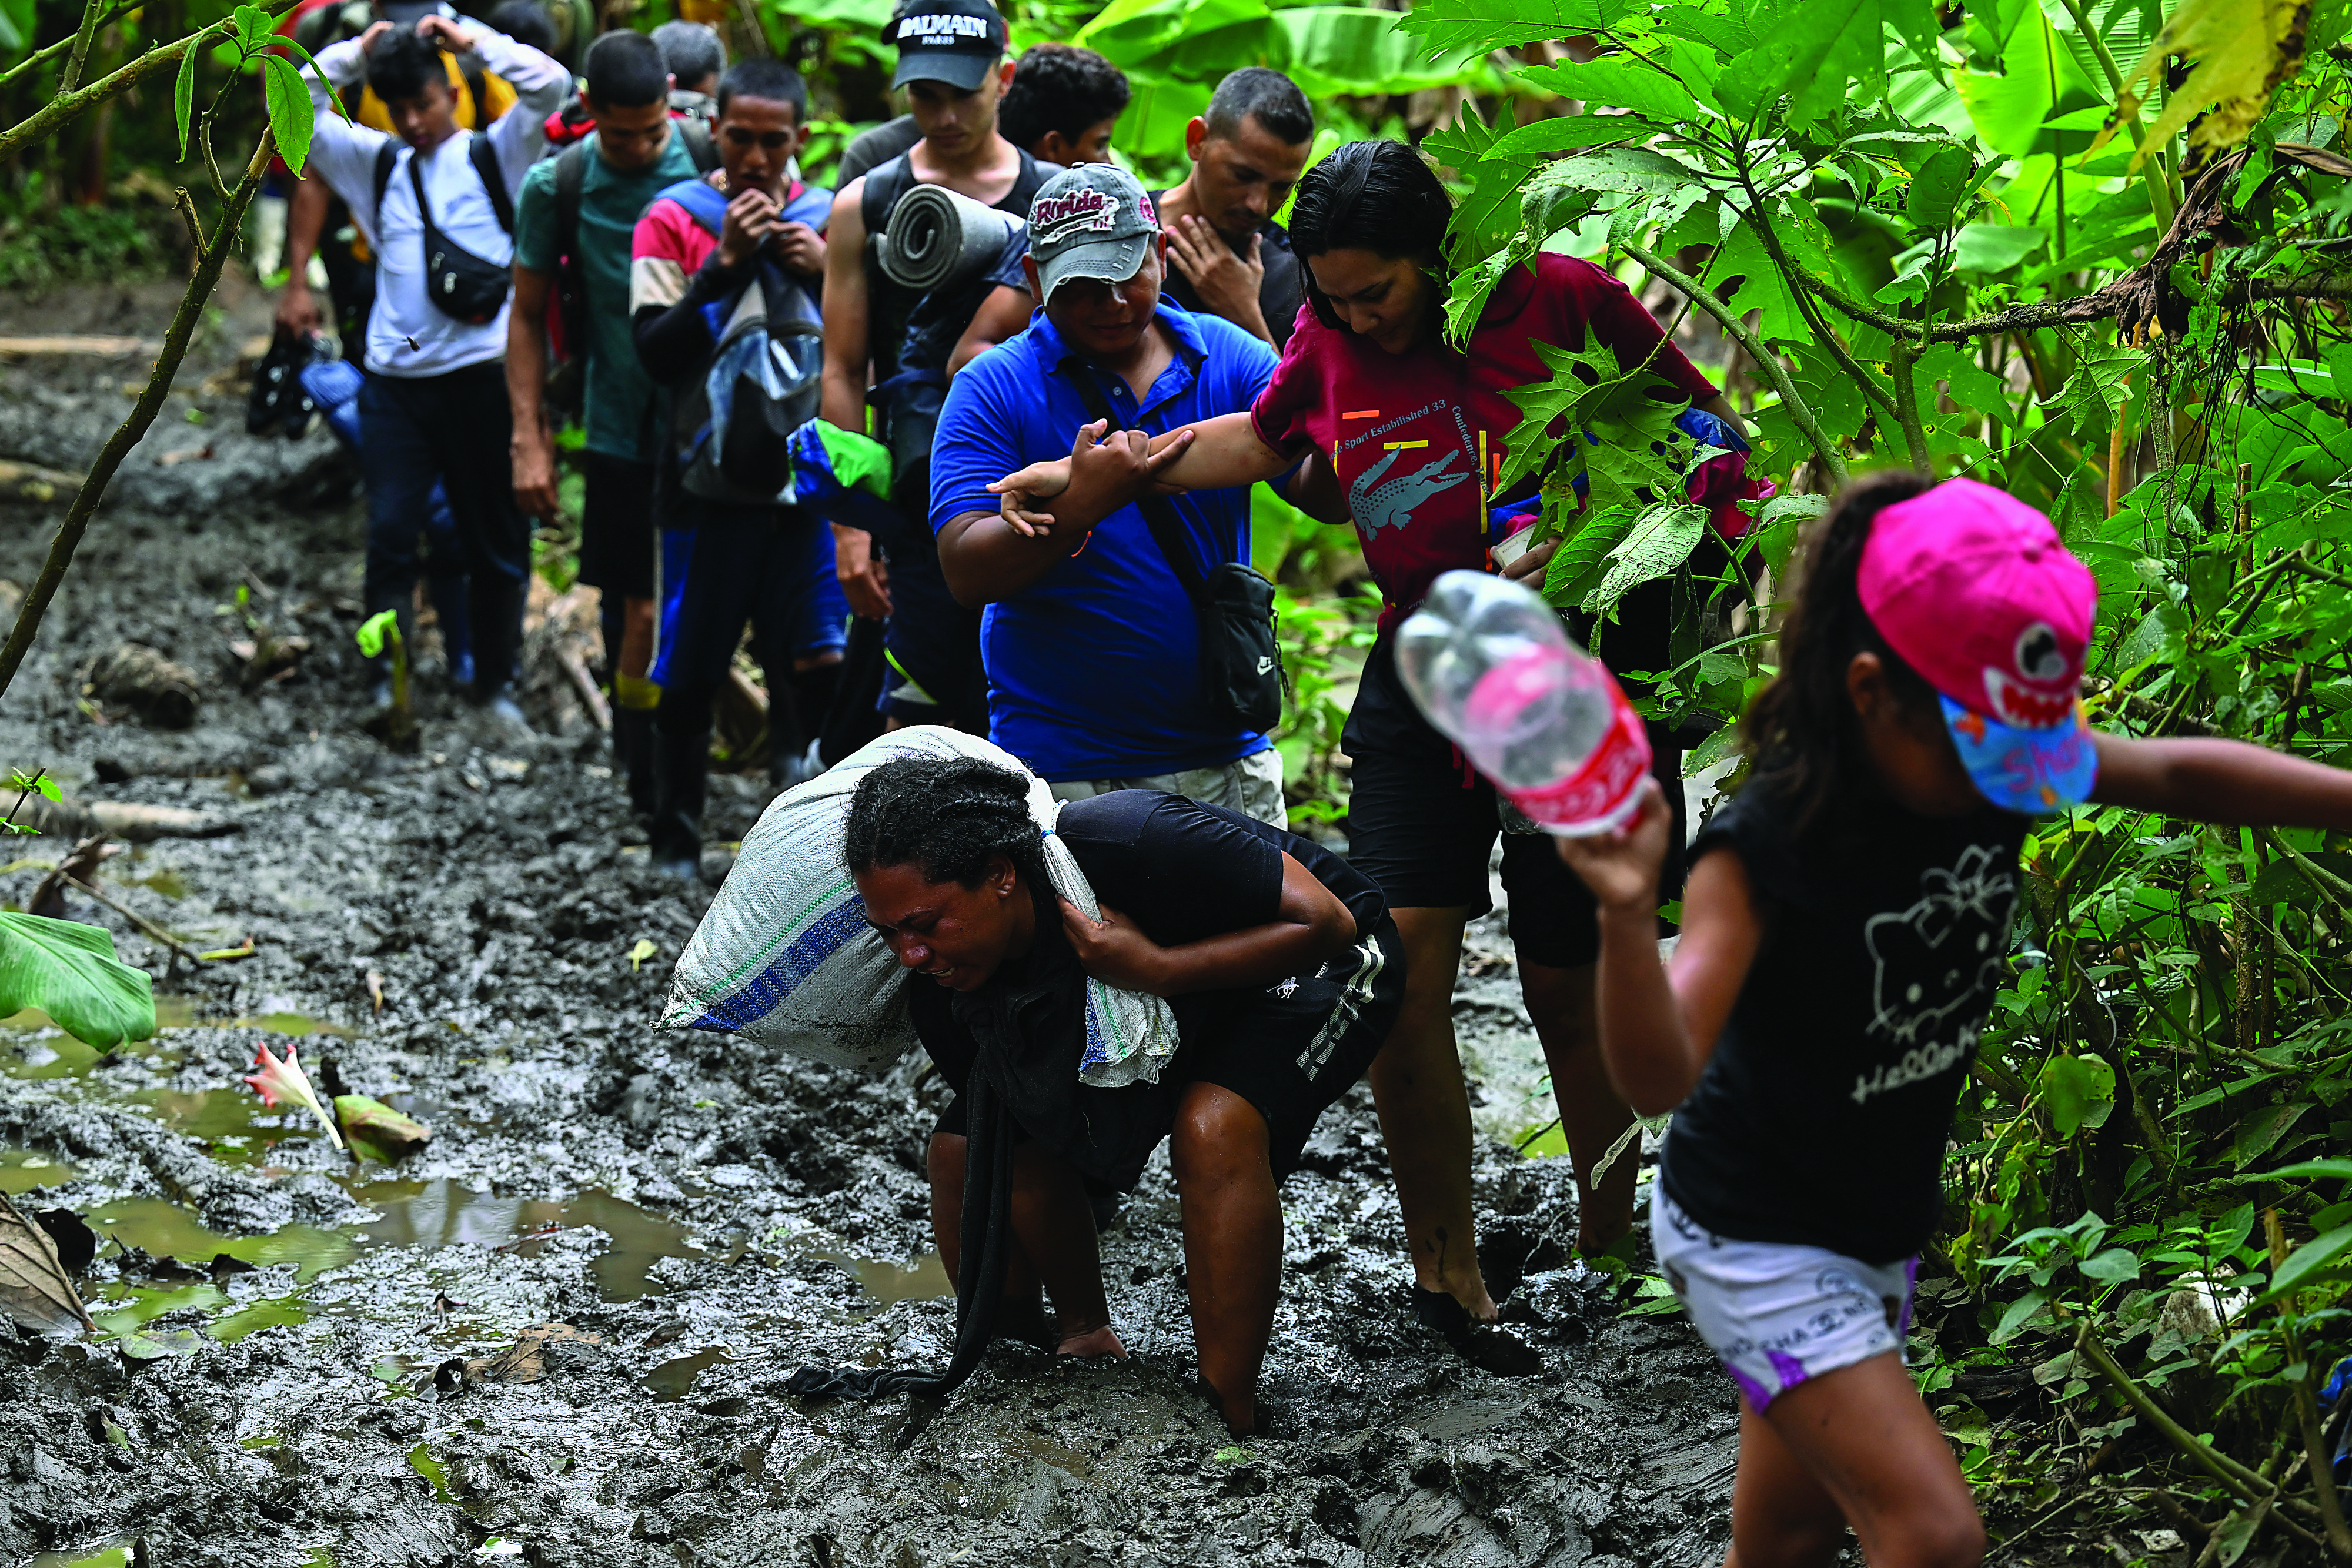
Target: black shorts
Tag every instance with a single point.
(1292, 1050)
(616, 526)
(1422, 824)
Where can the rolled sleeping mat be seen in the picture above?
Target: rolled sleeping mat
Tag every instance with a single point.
(938, 239)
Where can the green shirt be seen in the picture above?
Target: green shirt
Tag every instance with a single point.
(619, 395)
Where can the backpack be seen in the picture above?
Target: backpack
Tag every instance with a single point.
(567, 304)
(728, 426)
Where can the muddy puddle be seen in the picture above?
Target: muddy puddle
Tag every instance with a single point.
(657, 1229)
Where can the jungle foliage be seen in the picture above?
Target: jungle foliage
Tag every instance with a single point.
(2096, 254)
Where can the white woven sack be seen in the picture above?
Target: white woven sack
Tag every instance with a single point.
(786, 957)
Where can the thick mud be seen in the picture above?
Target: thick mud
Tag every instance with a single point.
(282, 1375)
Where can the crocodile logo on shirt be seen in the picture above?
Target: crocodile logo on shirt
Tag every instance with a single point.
(1390, 505)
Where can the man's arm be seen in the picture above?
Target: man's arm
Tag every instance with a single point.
(530, 447)
(984, 557)
(1209, 454)
(306, 218)
(541, 85)
(1005, 312)
(842, 396)
(343, 153)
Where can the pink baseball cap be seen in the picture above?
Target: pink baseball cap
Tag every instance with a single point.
(1976, 592)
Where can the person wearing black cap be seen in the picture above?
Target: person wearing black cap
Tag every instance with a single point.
(951, 62)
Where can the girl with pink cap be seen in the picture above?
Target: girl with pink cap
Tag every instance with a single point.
(1844, 929)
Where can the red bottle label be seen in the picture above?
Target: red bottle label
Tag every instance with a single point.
(1607, 782)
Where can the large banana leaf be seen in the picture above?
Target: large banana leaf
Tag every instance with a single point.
(1330, 50)
(69, 970)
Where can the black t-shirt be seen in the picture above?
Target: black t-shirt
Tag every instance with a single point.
(872, 148)
(1822, 1115)
(1279, 292)
(1184, 871)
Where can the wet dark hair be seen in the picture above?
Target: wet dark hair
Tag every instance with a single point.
(525, 22)
(625, 70)
(770, 80)
(404, 63)
(1273, 99)
(691, 51)
(948, 815)
(1800, 735)
(1057, 87)
(1369, 195)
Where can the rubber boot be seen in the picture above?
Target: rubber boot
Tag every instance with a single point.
(681, 772)
(633, 759)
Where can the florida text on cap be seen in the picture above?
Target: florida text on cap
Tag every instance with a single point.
(1094, 221)
(957, 42)
(1976, 592)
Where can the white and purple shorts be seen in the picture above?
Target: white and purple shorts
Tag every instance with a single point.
(1774, 1313)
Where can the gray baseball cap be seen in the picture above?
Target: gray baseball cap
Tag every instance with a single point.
(1092, 220)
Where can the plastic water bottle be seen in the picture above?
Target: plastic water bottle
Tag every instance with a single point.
(1490, 665)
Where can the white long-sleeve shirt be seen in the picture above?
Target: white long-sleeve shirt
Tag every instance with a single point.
(407, 335)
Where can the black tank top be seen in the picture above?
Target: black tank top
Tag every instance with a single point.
(888, 304)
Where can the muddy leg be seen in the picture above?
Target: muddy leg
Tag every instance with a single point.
(1425, 1112)
(1232, 1241)
(1854, 1445)
(1053, 1232)
(1560, 1001)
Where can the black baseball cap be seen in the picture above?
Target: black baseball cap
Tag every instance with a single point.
(957, 42)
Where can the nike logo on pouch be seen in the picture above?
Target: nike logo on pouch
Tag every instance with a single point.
(1263, 663)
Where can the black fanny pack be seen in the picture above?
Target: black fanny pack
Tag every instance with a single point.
(1241, 659)
(459, 283)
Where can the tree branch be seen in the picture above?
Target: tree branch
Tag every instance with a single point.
(1824, 449)
(76, 62)
(52, 51)
(67, 107)
(142, 412)
(1906, 406)
(1797, 274)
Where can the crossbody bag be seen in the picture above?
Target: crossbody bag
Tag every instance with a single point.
(1240, 658)
(459, 283)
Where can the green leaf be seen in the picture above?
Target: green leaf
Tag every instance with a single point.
(1660, 540)
(2040, 83)
(184, 94)
(2080, 1092)
(376, 630)
(1565, 134)
(1936, 188)
(2162, 636)
(2308, 1260)
(292, 116)
(1583, 555)
(69, 970)
(2094, 393)
(38, 783)
(1994, 247)
(1820, 56)
(1561, 194)
(1617, 81)
(1748, 280)
(252, 25)
(1451, 25)
(1358, 52)
(2307, 1170)
(2024, 1310)
(1487, 219)
(1465, 298)
(2115, 1263)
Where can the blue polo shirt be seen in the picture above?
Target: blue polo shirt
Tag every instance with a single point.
(1093, 671)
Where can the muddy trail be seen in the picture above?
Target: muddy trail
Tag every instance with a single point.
(560, 1332)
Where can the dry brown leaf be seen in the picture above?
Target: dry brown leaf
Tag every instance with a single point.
(33, 1285)
(525, 1361)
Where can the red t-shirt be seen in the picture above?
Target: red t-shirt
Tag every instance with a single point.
(1418, 437)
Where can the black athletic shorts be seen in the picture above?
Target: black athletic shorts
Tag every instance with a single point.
(1422, 824)
(1291, 1050)
(616, 526)
(933, 644)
